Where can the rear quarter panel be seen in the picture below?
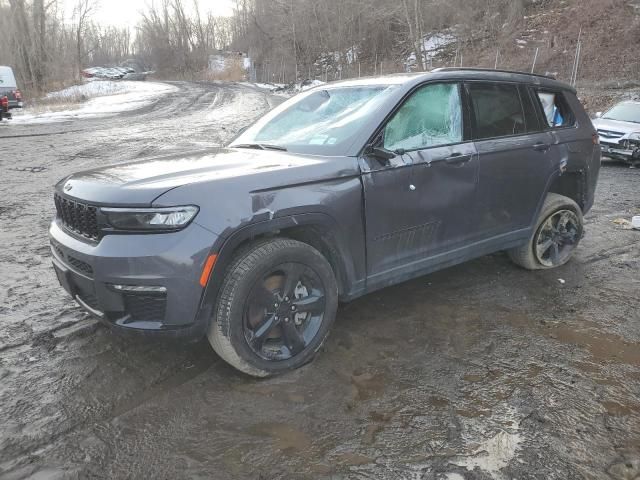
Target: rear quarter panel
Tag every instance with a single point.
(582, 154)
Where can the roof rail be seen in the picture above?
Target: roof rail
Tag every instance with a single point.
(469, 69)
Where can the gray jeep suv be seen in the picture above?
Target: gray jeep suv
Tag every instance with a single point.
(342, 190)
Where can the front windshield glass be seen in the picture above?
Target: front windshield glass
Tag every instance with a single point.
(322, 121)
(624, 112)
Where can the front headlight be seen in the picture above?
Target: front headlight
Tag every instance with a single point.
(150, 219)
(634, 137)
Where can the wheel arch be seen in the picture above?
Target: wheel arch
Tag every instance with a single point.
(571, 185)
(316, 229)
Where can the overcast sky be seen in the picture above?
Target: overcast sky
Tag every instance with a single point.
(127, 12)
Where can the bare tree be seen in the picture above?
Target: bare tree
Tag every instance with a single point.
(82, 13)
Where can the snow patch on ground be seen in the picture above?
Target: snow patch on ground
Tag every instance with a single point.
(263, 86)
(492, 455)
(495, 452)
(91, 89)
(286, 90)
(105, 98)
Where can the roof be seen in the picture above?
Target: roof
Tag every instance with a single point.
(458, 74)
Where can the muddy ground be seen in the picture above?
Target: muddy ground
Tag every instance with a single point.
(480, 371)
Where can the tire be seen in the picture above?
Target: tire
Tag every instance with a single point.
(562, 240)
(255, 328)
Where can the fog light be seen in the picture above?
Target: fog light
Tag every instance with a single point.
(139, 288)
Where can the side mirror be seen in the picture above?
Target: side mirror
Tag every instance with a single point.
(598, 114)
(380, 153)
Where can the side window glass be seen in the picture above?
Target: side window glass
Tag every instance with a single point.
(497, 109)
(557, 113)
(432, 116)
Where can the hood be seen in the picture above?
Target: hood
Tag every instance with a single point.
(616, 125)
(138, 184)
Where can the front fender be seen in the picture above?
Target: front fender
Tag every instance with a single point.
(226, 247)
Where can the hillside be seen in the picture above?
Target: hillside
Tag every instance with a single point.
(609, 30)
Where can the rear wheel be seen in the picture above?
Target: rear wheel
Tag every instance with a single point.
(277, 303)
(555, 238)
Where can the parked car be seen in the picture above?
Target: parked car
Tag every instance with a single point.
(110, 73)
(619, 130)
(340, 191)
(9, 88)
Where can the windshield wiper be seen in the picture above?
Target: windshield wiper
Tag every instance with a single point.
(260, 146)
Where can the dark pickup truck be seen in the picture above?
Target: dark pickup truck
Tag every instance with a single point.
(342, 190)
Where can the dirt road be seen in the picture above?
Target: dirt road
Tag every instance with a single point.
(477, 372)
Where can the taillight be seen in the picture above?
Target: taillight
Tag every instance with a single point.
(4, 102)
(595, 138)
(18, 95)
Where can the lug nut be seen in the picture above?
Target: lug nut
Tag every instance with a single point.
(286, 320)
(286, 299)
(293, 307)
(276, 304)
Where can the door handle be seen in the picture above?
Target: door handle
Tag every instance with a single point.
(457, 159)
(541, 147)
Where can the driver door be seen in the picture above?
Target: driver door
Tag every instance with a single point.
(420, 204)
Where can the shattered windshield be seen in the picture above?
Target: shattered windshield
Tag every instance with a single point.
(624, 112)
(321, 121)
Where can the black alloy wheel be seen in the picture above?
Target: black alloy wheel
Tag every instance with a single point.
(284, 311)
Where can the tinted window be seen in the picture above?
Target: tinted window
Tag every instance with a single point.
(497, 110)
(432, 116)
(557, 113)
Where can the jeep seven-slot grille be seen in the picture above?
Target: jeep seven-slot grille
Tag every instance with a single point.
(78, 217)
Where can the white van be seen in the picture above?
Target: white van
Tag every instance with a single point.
(9, 87)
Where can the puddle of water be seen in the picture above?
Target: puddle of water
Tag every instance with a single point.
(438, 402)
(453, 476)
(353, 459)
(286, 438)
(473, 412)
(619, 410)
(492, 455)
(602, 346)
(628, 470)
(369, 436)
(368, 385)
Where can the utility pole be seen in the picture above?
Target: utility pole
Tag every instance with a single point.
(535, 59)
(576, 61)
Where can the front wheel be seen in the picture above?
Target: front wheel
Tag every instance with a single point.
(277, 302)
(557, 234)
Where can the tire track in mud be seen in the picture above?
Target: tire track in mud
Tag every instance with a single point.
(43, 333)
(435, 378)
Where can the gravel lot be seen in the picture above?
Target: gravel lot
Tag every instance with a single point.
(477, 372)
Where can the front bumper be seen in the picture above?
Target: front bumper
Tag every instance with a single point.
(622, 151)
(163, 269)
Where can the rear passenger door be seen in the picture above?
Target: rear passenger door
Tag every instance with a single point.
(515, 158)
